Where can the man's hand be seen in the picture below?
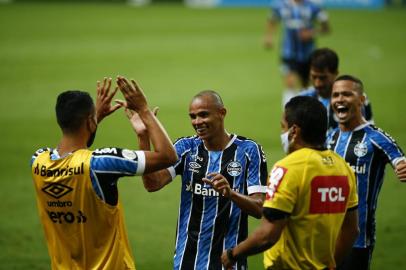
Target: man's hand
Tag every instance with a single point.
(219, 183)
(225, 260)
(135, 119)
(133, 95)
(400, 170)
(306, 35)
(103, 100)
(268, 42)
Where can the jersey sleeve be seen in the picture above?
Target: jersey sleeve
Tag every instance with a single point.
(275, 13)
(257, 169)
(388, 146)
(353, 196)
(118, 161)
(319, 14)
(39, 151)
(182, 147)
(282, 190)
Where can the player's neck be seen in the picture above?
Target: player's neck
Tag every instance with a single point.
(352, 124)
(217, 143)
(70, 143)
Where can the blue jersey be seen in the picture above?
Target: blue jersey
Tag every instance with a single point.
(296, 17)
(367, 149)
(331, 118)
(107, 165)
(208, 223)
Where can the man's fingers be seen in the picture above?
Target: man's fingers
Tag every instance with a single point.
(135, 84)
(115, 108)
(121, 102)
(112, 94)
(108, 86)
(155, 111)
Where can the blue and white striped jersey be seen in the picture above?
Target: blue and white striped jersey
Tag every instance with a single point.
(367, 149)
(107, 165)
(295, 17)
(208, 223)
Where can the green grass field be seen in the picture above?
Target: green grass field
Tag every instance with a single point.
(173, 52)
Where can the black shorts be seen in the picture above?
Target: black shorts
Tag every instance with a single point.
(358, 259)
(300, 68)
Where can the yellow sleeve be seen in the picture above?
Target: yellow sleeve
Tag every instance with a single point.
(282, 188)
(353, 196)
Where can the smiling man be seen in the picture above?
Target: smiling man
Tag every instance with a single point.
(223, 181)
(367, 149)
(324, 63)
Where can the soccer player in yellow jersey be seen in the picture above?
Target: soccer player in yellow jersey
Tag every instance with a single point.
(76, 188)
(310, 214)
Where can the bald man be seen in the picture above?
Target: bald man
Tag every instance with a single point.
(223, 181)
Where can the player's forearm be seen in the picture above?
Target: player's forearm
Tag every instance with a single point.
(156, 180)
(260, 240)
(159, 138)
(348, 235)
(252, 205)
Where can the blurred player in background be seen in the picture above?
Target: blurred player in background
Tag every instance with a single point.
(298, 18)
(367, 149)
(324, 64)
(223, 181)
(77, 195)
(310, 218)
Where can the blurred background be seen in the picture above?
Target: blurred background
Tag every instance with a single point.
(175, 49)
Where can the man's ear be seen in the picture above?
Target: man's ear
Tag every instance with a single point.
(91, 123)
(223, 112)
(295, 132)
(362, 98)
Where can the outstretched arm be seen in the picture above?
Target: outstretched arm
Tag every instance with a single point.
(252, 204)
(263, 238)
(156, 180)
(164, 154)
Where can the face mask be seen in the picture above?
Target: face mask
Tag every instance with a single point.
(285, 141)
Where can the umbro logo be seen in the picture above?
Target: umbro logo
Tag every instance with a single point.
(57, 190)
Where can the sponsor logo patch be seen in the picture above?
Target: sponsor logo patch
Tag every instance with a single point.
(328, 194)
(128, 154)
(56, 190)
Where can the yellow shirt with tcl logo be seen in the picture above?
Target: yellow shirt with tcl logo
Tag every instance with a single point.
(81, 230)
(316, 188)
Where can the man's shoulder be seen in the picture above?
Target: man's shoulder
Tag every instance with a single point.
(308, 92)
(39, 152)
(245, 140)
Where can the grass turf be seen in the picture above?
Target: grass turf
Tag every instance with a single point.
(173, 52)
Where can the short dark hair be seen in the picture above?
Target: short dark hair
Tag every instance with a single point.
(358, 82)
(213, 94)
(72, 108)
(310, 115)
(324, 58)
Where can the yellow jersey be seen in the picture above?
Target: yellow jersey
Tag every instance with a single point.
(316, 188)
(82, 231)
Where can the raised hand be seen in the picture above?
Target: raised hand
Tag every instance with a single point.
(136, 121)
(104, 98)
(133, 94)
